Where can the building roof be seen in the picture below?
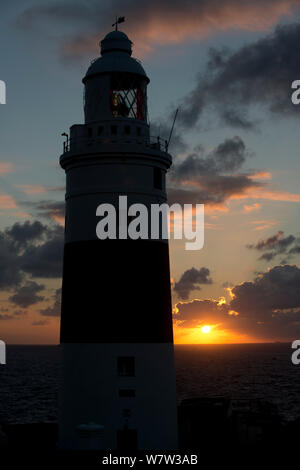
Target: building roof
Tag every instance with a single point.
(116, 50)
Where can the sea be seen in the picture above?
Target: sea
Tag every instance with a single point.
(29, 380)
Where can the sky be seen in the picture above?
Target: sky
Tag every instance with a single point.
(228, 65)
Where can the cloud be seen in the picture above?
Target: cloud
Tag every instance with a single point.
(215, 177)
(196, 312)
(32, 188)
(6, 317)
(40, 323)
(44, 260)
(19, 313)
(271, 291)
(38, 189)
(51, 210)
(277, 245)
(22, 234)
(262, 175)
(7, 202)
(31, 248)
(211, 178)
(149, 24)
(258, 74)
(267, 308)
(55, 309)
(191, 280)
(227, 157)
(251, 208)
(27, 295)
(10, 274)
(6, 167)
(264, 193)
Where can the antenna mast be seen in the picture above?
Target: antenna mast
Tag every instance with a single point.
(171, 132)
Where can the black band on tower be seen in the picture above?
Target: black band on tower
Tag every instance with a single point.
(116, 291)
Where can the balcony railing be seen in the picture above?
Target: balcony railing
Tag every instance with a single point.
(82, 143)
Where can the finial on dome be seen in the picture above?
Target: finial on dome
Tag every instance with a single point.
(119, 20)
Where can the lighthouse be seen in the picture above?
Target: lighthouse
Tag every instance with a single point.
(118, 380)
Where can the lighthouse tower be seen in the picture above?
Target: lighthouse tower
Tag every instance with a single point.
(118, 380)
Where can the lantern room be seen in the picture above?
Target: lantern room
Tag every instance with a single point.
(115, 83)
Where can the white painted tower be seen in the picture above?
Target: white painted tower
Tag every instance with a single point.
(116, 325)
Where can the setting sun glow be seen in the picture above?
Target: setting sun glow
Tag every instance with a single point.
(205, 329)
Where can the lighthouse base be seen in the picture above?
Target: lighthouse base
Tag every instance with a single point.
(118, 396)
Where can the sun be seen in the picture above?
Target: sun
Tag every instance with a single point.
(206, 329)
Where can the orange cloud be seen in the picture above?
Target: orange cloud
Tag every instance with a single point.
(278, 196)
(265, 193)
(161, 23)
(22, 215)
(7, 202)
(58, 218)
(6, 167)
(31, 188)
(254, 207)
(263, 224)
(261, 175)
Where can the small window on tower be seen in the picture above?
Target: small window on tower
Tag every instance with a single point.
(100, 130)
(127, 130)
(113, 130)
(90, 132)
(157, 178)
(126, 366)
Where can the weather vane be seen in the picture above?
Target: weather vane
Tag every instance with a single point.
(119, 20)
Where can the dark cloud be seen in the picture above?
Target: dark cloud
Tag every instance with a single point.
(199, 312)
(54, 310)
(258, 74)
(268, 242)
(30, 248)
(22, 234)
(277, 245)
(296, 249)
(27, 295)
(6, 317)
(44, 260)
(50, 210)
(191, 280)
(19, 313)
(40, 323)
(227, 157)
(266, 308)
(10, 274)
(227, 284)
(269, 306)
(150, 23)
(211, 178)
(275, 289)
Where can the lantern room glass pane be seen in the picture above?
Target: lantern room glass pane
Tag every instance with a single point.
(128, 96)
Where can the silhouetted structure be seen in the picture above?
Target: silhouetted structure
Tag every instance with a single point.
(118, 388)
